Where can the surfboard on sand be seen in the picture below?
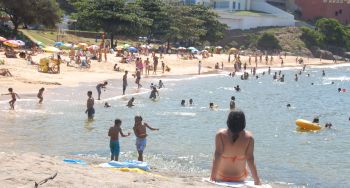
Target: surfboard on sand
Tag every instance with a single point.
(244, 184)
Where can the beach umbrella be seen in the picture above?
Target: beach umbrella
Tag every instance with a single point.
(218, 47)
(51, 49)
(2, 39)
(12, 43)
(194, 51)
(132, 49)
(119, 48)
(207, 47)
(126, 46)
(58, 44)
(192, 48)
(181, 48)
(21, 43)
(93, 47)
(204, 51)
(82, 45)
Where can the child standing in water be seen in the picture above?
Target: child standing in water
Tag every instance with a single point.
(114, 141)
(13, 98)
(40, 95)
(90, 105)
(141, 134)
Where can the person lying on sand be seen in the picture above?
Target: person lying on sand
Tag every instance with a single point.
(234, 148)
(113, 133)
(13, 98)
(5, 72)
(141, 134)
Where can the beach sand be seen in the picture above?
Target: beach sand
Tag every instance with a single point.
(23, 169)
(26, 78)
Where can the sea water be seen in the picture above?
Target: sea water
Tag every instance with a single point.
(185, 142)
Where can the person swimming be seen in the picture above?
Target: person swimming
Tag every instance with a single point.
(237, 88)
(296, 77)
(282, 78)
(154, 93)
(275, 76)
(183, 103)
(339, 90)
(191, 102)
(160, 84)
(107, 105)
(131, 102)
(316, 120)
(328, 125)
(288, 105)
(323, 73)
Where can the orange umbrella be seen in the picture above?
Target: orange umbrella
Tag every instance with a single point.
(12, 43)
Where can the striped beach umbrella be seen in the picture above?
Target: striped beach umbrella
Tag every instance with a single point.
(51, 49)
(12, 43)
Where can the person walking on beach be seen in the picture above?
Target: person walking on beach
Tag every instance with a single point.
(113, 133)
(199, 67)
(155, 64)
(141, 134)
(90, 111)
(138, 78)
(163, 67)
(13, 98)
(40, 95)
(234, 148)
(99, 87)
(125, 81)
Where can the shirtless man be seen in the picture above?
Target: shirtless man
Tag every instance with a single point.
(141, 134)
(125, 81)
(138, 78)
(114, 141)
(13, 98)
(232, 103)
(40, 95)
(99, 87)
(90, 105)
(234, 149)
(154, 93)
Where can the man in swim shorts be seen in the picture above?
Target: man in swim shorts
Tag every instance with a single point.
(114, 141)
(99, 87)
(13, 98)
(141, 134)
(90, 111)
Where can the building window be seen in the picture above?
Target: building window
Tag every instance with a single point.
(222, 4)
(234, 5)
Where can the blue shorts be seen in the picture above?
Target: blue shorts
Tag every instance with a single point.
(141, 144)
(115, 147)
(98, 90)
(91, 112)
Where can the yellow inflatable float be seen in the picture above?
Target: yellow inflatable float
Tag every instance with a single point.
(307, 125)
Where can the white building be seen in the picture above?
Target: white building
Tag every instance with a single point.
(248, 14)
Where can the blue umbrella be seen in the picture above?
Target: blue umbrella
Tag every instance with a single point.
(58, 44)
(132, 49)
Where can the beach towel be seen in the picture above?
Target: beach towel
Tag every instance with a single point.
(75, 161)
(244, 184)
(127, 164)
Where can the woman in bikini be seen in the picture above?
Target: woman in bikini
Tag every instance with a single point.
(234, 148)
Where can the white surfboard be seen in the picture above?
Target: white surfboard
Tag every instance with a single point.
(243, 184)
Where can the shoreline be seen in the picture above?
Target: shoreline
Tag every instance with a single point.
(27, 80)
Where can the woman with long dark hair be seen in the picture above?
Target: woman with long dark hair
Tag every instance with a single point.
(234, 149)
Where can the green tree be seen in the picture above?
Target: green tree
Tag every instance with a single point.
(111, 16)
(334, 33)
(311, 37)
(26, 12)
(268, 41)
(156, 11)
(214, 29)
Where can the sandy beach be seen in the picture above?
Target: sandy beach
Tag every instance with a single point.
(26, 78)
(35, 167)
